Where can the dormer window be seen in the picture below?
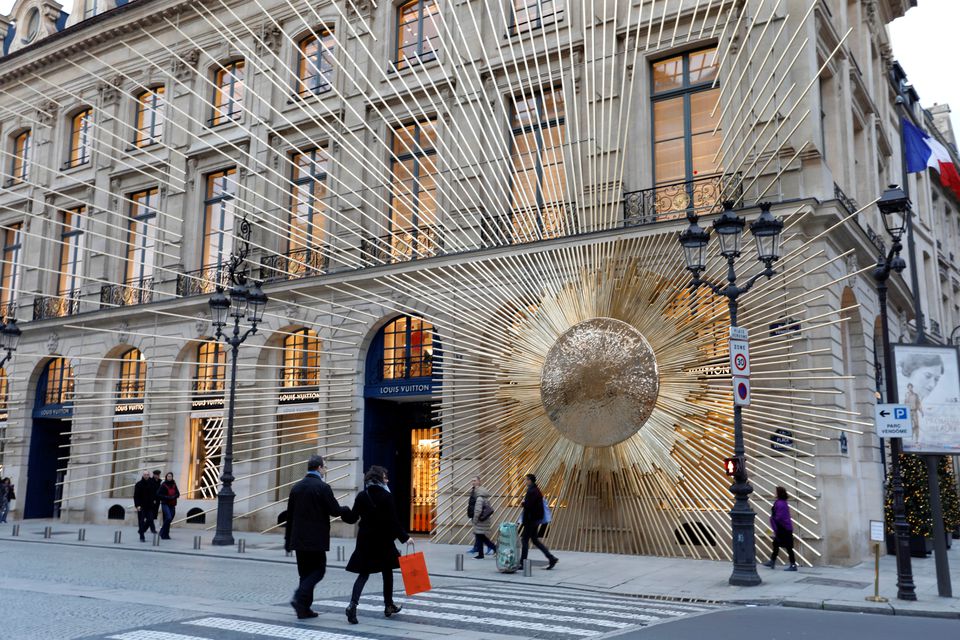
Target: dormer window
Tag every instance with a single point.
(33, 26)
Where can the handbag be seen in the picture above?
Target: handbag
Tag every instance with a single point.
(485, 512)
(413, 568)
(547, 514)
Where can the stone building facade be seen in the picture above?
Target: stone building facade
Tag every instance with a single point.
(128, 127)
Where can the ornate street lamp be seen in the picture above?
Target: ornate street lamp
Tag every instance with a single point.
(895, 207)
(728, 228)
(245, 304)
(9, 339)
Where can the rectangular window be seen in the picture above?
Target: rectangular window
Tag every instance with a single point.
(413, 205)
(527, 15)
(127, 438)
(150, 117)
(81, 137)
(71, 253)
(228, 94)
(684, 118)
(11, 270)
(89, 8)
(20, 169)
(133, 376)
(417, 32)
(301, 359)
(141, 244)
(211, 367)
(425, 446)
(206, 448)
(538, 174)
(296, 433)
(218, 219)
(316, 63)
(307, 212)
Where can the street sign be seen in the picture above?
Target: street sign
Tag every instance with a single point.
(892, 420)
(876, 531)
(739, 333)
(739, 358)
(741, 391)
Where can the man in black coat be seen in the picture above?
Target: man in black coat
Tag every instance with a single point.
(144, 497)
(157, 481)
(309, 509)
(533, 516)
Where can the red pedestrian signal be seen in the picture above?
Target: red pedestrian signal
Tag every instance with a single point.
(731, 466)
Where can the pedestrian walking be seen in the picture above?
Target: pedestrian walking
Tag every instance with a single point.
(482, 521)
(471, 511)
(534, 514)
(309, 508)
(379, 526)
(157, 480)
(6, 497)
(782, 526)
(144, 497)
(167, 495)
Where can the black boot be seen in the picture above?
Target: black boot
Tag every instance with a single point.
(391, 609)
(352, 614)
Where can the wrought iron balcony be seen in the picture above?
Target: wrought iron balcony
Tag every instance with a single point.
(702, 195)
(201, 281)
(845, 201)
(404, 245)
(125, 295)
(56, 306)
(299, 263)
(8, 310)
(527, 224)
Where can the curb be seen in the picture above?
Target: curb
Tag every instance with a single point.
(880, 608)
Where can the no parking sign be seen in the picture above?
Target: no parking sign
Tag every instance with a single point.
(741, 391)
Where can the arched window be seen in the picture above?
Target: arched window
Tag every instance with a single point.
(59, 382)
(301, 359)
(407, 349)
(81, 137)
(417, 33)
(20, 168)
(149, 117)
(133, 375)
(228, 94)
(211, 367)
(315, 64)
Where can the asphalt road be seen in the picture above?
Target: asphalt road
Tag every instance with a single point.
(780, 623)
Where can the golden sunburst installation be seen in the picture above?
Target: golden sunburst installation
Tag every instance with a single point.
(597, 368)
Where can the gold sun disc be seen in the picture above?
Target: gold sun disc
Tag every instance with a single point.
(599, 382)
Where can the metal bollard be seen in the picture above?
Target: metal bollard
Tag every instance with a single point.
(81, 535)
(527, 568)
(16, 530)
(341, 553)
(47, 532)
(156, 539)
(196, 542)
(458, 562)
(117, 537)
(241, 546)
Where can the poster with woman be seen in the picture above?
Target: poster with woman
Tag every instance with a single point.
(928, 382)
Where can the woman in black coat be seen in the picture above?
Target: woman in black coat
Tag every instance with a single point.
(379, 526)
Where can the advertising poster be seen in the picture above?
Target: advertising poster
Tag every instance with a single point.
(928, 382)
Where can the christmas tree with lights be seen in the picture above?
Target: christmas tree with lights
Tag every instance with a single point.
(949, 499)
(916, 497)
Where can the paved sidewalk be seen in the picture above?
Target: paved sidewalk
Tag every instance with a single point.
(836, 588)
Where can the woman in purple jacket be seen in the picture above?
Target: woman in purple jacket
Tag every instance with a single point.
(782, 527)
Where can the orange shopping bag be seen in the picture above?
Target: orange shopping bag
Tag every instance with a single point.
(413, 568)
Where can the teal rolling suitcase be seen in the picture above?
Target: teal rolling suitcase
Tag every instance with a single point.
(508, 548)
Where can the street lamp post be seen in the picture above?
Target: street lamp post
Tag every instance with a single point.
(246, 302)
(895, 207)
(766, 232)
(9, 339)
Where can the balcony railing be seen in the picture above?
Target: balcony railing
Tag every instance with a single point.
(126, 295)
(702, 195)
(56, 306)
(846, 201)
(935, 328)
(420, 242)
(299, 263)
(8, 310)
(201, 281)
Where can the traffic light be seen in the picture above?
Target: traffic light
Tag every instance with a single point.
(731, 466)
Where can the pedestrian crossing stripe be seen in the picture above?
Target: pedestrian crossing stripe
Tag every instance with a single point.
(271, 630)
(662, 607)
(441, 616)
(148, 634)
(553, 610)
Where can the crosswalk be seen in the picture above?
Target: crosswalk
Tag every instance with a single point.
(502, 610)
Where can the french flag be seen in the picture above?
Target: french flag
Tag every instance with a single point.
(924, 152)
